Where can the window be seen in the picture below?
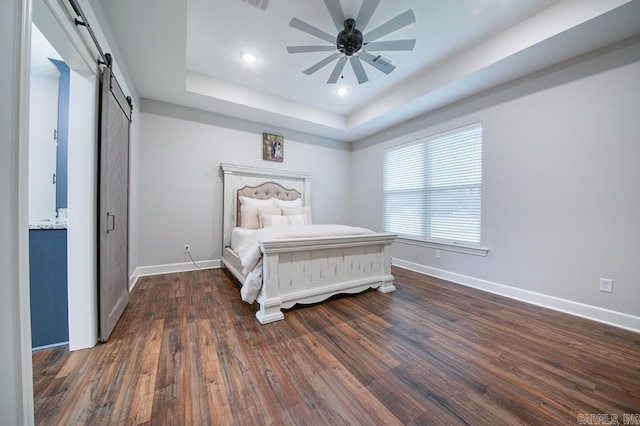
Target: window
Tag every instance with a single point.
(433, 188)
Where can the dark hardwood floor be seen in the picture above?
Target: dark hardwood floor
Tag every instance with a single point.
(189, 351)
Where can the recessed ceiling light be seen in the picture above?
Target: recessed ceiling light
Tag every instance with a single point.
(342, 91)
(249, 58)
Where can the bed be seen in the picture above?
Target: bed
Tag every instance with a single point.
(299, 268)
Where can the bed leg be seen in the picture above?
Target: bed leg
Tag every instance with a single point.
(269, 312)
(386, 283)
(386, 286)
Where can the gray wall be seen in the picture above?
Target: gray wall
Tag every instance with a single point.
(180, 186)
(560, 181)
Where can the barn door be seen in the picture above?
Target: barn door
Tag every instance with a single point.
(115, 117)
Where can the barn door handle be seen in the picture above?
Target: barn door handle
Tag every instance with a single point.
(111, 227)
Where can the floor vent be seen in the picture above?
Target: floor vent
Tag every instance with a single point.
(262, 4)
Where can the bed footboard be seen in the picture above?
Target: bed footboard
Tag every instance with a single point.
(311, 270)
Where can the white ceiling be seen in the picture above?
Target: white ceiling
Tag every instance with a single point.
(188, 52)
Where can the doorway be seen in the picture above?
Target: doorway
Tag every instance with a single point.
(82, 166)
(48, 134)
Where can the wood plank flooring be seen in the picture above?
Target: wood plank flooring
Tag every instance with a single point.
(188, 351)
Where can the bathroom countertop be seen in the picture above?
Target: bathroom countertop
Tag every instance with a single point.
(49, 224)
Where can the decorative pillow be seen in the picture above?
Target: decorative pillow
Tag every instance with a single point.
(296, 219)
(255, 202)
(304, 211)
(249, 217)
(268, 220)
(268, 211)
(288, 203)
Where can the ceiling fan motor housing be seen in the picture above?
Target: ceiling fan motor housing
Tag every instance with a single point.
(349, 40)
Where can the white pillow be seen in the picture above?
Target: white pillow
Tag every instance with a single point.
(304, 211)
(270, 210)
(254, 202)
(268, 220)
(267, 211)
(288, 203)
(249, 218)
(297, 219)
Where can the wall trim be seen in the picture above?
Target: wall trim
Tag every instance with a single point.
(617, 319)
(144, 271)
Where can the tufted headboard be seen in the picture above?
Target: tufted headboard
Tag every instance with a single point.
(258, 183)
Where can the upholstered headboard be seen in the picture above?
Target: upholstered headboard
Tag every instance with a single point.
(258, 183)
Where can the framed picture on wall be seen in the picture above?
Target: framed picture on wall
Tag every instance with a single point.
(272, 147)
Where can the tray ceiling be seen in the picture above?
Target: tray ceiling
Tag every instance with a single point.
(189, 53)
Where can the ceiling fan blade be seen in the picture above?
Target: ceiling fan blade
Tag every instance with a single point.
(310, 29)
(358, 69)
(326, 61)
(337, 70)
(377, 62)
(306, 49)
(384, 46)
(366, 12)
(400, 21)
(335, 10)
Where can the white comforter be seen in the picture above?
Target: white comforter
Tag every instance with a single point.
(248, 250)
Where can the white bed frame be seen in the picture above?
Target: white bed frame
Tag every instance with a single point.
(304, 270)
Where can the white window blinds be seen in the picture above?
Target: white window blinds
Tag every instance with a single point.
(433, 187)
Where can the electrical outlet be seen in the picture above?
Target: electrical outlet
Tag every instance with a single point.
(187, 248)
(438, 254)
(606, 285)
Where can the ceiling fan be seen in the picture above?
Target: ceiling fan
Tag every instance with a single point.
(351, 44)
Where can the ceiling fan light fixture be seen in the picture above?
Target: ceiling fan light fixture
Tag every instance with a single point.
(342, 91)
(249, 58)
(349, 45)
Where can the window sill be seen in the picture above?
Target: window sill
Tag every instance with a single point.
(458, 248)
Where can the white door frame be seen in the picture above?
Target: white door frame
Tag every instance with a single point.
(53, 19)
(82, 245)
(22, 82)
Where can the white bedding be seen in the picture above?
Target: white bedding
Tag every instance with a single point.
(238, 234)
(248, 250)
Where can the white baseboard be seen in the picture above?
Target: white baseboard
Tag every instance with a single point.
(143, 271)
(54, 345)
(595, 313)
